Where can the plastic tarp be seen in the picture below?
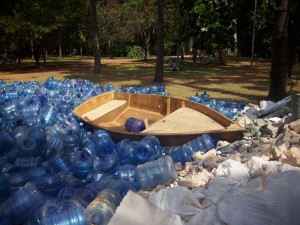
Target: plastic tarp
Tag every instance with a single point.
(258, 192)
(135, 210)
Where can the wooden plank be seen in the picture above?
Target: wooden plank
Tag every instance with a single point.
(184, 120)
(103, 109)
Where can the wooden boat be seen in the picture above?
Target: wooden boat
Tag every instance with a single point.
(173, 121)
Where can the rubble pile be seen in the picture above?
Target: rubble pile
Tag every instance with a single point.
(256, 177)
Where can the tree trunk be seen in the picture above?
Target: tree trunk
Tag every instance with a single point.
(159, 70)
(59, 46)
(31, 47)
(95, 41)
(278, 74)
(294, 26)
(220, 54)
(109, 50)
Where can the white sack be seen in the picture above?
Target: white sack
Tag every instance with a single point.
(135, 210)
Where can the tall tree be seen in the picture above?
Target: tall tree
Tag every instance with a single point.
(141, 16)
(278, 74)
(95, 41)
(159, 70)
(216, 23)
(294, 31)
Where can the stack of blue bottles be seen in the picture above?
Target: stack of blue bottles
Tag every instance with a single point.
(229, 109)
(101, 210)
(19, 206)
(134, 125)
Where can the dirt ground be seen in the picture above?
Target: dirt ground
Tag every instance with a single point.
(230, 81)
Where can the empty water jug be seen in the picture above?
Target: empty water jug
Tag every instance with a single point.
(16, 180)
(103, 142)
(82, 166)
(125, 151)
(27, 163)
(160, 171)
(134, 125)
(49, 207)
(101, 210)
(180, 154)
(49, 184)
(71, 142)
(59, 162)
(71, 216)
(126, 172)
(202, 143)
(22, 204)
(109, 163)
(82, 197)
(145, 149)
(3, 188)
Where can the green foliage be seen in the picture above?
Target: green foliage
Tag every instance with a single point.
(134, 52)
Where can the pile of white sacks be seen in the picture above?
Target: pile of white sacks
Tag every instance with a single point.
(253, 181)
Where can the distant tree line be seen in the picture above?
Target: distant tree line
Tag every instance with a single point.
(57, 27)
(37, 28)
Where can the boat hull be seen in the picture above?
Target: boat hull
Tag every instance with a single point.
(173, 121)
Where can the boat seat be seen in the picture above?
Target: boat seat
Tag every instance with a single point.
(104, 109)
(184, 120)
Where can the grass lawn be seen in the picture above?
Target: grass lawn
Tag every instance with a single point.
(234, 80)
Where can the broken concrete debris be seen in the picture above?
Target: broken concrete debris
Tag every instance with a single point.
(257, 168)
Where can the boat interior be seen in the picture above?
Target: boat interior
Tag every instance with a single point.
(161, 114)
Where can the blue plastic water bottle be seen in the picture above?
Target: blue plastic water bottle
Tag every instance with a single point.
(59, 162)
(127, 172)
(103, 142)
(134, 125)
(72, 216)
(109, 163)
(160, 171)
(125, 151)
(145, 149)
(22, 204)
(16, 180)
(101, 210)
(82, 166)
